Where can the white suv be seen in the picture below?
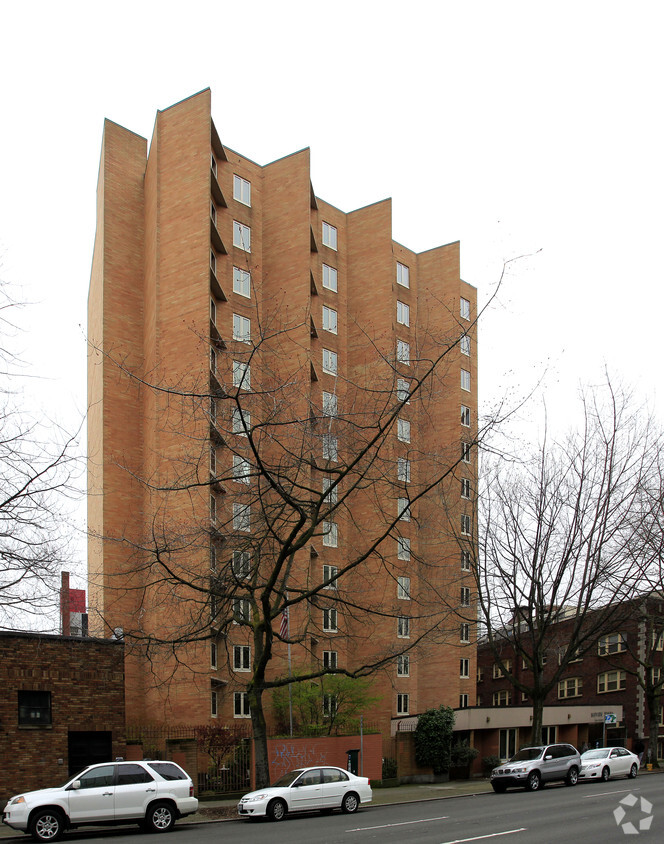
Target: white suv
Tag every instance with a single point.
(153, 794)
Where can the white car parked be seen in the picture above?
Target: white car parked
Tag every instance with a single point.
(152, 794)
(602, 763)
(324, 788)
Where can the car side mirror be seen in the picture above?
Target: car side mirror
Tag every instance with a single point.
(548, 757)
(75, 785)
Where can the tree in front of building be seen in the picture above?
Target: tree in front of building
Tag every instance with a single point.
(433, 739)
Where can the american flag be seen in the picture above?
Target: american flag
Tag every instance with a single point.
(283, 630)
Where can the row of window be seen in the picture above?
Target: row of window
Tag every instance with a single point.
(607, 681)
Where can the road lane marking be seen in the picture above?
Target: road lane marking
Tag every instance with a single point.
(484, 837)
(607, 793)
(402, 823)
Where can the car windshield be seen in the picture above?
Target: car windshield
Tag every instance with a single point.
(595, 754)
(527, 754)
(287, 779)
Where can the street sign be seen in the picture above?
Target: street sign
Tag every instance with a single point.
(610, 718)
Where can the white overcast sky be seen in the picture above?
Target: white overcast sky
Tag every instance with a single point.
(515, 127)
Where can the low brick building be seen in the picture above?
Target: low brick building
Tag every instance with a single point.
(61, 707)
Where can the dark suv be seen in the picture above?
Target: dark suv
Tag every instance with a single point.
(534, 766)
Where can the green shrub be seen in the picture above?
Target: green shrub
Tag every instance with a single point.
(433, 739)
(489, 763)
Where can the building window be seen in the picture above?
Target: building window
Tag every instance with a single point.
(330, 447)
(213, 460)
(498, 670)
(465, 452)
(241, 564)
(403, 470)
(330, 573)
(465, 488)
(507, 743)
(611, 681)
(464, 632)
(241, 610)
(403, 548)
(241, 705)
(213, 558)
(241, 658)
(465, 561)
(330, 660)
(330, 706)
(34, 708)
(614, 643)
(403, 352)
(655, 675)
(241, 282)
(657, 640)
(213, 311)
(241, 375)
(403, 313)
(403, 627)
(241, 329)
(213, 704)
(570, 687)
(330, 620)
(241, 236)
(330, 534)
(213, 262)
(403, 275)
(329, 362)
(549, 735)
(329, 236)
(403, 430)
(213, 213)
(213, 509)
(213, 655)
(242, 190)
(213, 360)
(465, 525)
(463, 701)
(464, 668)
(241, 470)
(464, 345)
(329, 278)
(465, 380)
(403, 588)
(242, 517)
(465, 596)
(329, 319)
(403, 704)
(330, 493)
(213, 411)
(403, 665)
(480, 674)
(465, 416)
(213, 163)
(503, 698)
(240, 421)
(464, 308)
(403, 509)
(403, 390)
(329, 404)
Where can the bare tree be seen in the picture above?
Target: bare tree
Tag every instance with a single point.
(36, 465)
(555, 535)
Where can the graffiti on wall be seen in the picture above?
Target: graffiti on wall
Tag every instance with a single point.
(286, 756)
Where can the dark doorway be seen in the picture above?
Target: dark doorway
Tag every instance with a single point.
(87, 747)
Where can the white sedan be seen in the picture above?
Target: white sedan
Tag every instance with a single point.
(602, 763)
(307, 789)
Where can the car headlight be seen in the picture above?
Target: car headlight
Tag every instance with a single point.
(518, 770)
(593, 765)
(253, 798)
(16, 800)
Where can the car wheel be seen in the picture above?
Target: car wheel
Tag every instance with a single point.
(276, 810)
(160, 817)
(47, 825)
(499, 787)
(606, 773)
(350, 803)
(572, 776)
(633, 771)
(533, 781)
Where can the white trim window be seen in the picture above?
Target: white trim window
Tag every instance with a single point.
(403, 548)
(242, 517)
(241, 282)
(330, 620)
(403, 704)
(241, 658)
(403, 313)
(330, 706)
(213, 310)
(464, 668)
(330, 574)
(403, 627)
(464, 345)
(613, 643)
(213, 704)
(465, 452)
(403, 470)
(329, 362)
(570, 687)
(403, 352)
(213, 262)
(241, 375)
(241, 564)
(241, 610)
(213, 459)
(465, 596)
(403, 430)
(330, 493)
(611, 681)
(403, 665)
(329, 404)
(241, 329)
(213, 509)
(465, 487)
(330, 447)
(241, 705)
(213, 360)
(330, 278)
(403, 390)
(464, 308)
(329, 320)
(465, 416)
(465, 525)
(329, 234)
(242, 190)
(241, 236)
(330, 660)
(241, 470)
(463, 701)
(403, 509)
(403, 588)
(213, 163)
(213, 655)
(240, 421)
(465, 380)
(465, 561)
(464, 632)
(403, 275)
(502, 698)
(330, 534)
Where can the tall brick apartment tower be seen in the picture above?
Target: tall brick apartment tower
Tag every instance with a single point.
(231, 309)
